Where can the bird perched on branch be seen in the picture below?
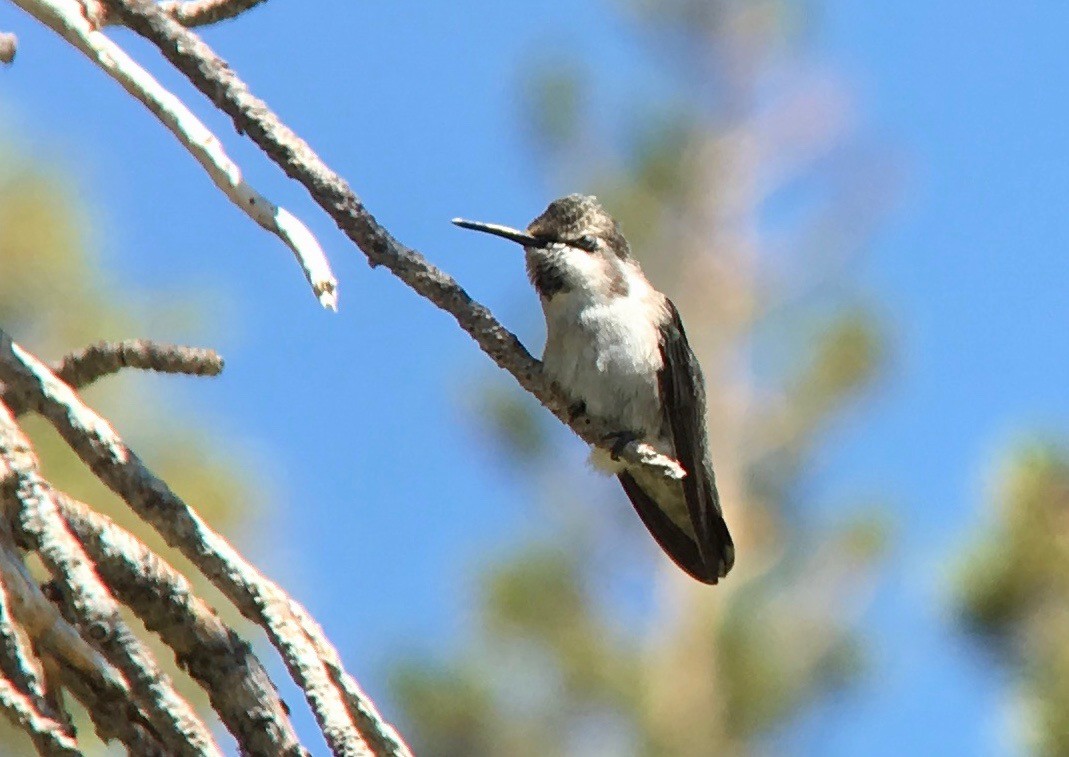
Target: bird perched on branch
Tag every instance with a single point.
(616, 346)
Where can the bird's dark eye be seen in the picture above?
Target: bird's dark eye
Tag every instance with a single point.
(586, 242)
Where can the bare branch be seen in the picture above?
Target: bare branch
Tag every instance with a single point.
(9, 45)
(69, 19)
(81, 668)
(52, 634)
(50, 737)
(41, 525)
(214, 77)
(86, 366)
(334, 697)
(203, 12)
(212, 653)
(82, 368)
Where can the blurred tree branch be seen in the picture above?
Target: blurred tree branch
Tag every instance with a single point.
(1013, 587)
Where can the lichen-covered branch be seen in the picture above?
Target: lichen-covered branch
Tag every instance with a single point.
(17, 663)
(213, 654)
(347, 719)
(71, 20)
(114, 714)
(85, 366)
(252, 116)
(80, 668)
(41, 526)
(52, 634)
(98, 360)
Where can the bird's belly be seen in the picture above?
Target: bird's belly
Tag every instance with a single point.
(608, 357)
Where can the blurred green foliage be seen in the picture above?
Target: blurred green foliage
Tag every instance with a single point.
(1013, 588)
(586, 640)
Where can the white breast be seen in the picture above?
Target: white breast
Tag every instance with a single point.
(604, 349)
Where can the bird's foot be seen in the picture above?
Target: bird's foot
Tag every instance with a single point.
(576, 410)
(619, 440)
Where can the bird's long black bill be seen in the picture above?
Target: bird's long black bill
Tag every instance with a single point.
(507, 232)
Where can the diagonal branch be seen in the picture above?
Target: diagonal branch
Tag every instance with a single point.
(80, 668)
(114, 716)
(42, 527)
(52, 635)
(343, 712)
(214, 77)
(212, 653)
(68, 19)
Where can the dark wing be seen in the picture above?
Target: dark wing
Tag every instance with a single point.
(676, 543)
(683, 401)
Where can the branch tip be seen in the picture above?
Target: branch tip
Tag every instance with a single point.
(80, 22)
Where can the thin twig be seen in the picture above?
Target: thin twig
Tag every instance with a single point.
(300, 642)
(85, 366)
(214, 77)
(42, 526)
(69, 19)
(213, 654)
(201, 12)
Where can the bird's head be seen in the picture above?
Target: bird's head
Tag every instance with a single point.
(573, 244)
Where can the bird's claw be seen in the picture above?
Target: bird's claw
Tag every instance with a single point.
(619, 441)
(575, 410)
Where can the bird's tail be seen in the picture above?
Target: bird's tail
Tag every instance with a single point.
(708, 562)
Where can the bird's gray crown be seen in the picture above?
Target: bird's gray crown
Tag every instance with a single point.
(570, 218)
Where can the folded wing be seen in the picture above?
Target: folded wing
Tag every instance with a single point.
(709, 554)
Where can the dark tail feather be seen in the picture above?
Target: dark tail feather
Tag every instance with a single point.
(677, 544)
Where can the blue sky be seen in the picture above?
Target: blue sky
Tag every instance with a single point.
(414, 103)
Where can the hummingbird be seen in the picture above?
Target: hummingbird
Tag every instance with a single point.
(617, 348)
